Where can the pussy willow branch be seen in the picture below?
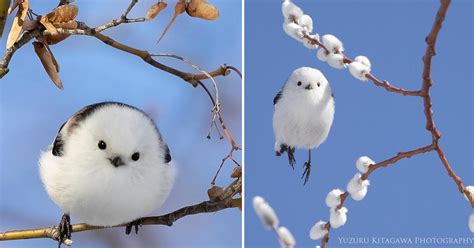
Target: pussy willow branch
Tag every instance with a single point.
(430, 124)
(167, 219)
(225, 199)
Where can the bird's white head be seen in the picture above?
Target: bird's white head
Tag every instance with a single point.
(112, 135)
(306, 82)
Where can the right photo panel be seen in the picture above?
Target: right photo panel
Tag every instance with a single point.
(358, 123)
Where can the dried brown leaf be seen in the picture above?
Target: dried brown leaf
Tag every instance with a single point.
(178, 10)
(237, 172)
(49, 62)
(3, 14)
(154, 10)
(214, 193)
(202, 9)
(17, 23)
(63, 13)
(48, 25)
(54, 39)
(72, 24)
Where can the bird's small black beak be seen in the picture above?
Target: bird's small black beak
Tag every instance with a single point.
(116, 161)
(309, 87)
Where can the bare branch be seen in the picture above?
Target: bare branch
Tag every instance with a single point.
(167, 220)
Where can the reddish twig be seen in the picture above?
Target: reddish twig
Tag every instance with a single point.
(427, 104)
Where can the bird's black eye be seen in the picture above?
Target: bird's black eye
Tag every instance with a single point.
(299, 83)
(319, 84)
(102, 145)
(135, 156)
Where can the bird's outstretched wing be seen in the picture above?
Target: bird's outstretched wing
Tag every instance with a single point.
(277, 97)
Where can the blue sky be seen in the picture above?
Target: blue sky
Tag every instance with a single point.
(411, 198)
(32, 110)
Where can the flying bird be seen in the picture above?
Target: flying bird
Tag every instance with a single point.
(303, 114)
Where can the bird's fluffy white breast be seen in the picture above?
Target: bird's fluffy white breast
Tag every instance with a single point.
(302, 122)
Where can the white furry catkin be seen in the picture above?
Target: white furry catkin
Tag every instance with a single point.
(469, 188)
(286, 238)
(307, 43)
(359, 71)
(306, 22)
(363, 60)
(318, 230)
(356, 184)
(322, 55)
(265, 212)
(337, 217)
(332, 43)
(336, 60)
(471, 222)
(290, 10)
(363, 163)
(333, 199)
(294, 30)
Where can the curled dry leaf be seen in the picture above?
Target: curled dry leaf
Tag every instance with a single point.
(178, 10)
(48, 25)
(237, 172)
(61, 17)
(214, 193)
(49, 62)
(155, 10)
(3, 14)
(63, 13)
(202, 9)
(17, 23)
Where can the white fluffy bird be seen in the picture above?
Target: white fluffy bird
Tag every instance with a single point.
(304, 112)
(108, 165)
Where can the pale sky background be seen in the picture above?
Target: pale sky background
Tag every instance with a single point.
(414, 197)
(32, 110)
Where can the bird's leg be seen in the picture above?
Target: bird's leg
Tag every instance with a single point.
(283, 148)
(64, 229)
(291, 156)
(307, 168)
(136, 224)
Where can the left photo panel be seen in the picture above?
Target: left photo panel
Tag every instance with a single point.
(121, 123)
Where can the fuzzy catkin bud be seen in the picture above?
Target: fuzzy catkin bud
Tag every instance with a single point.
(286, 238)
(337, 217)
(358, 70)
(318, 230)
(363, 162)
(333, 199)
(332, 43)
(290, 10)
(336, 60)
(471, 222)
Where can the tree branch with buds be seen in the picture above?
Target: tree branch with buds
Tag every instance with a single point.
(299, 26)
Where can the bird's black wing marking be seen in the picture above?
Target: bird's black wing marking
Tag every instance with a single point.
(167, 154)
(58, 144)
(277, 97)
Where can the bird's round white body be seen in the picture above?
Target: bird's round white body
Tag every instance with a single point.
(302, 117)
(83, 182)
